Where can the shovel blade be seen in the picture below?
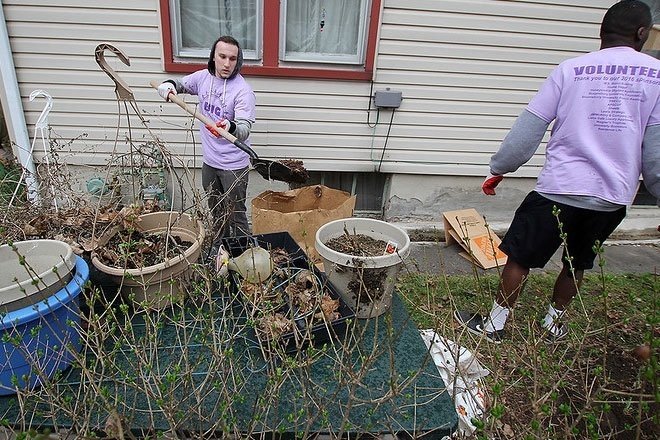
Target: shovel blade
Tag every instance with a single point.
(272, 170)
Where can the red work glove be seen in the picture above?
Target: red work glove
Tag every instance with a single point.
(490, 183)
(225, 124)
(212, 129)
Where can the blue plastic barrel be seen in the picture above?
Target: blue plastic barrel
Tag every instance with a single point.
(39, 340)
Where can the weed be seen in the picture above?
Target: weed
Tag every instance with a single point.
(589, 386)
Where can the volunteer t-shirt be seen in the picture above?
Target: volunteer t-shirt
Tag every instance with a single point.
(601, 103)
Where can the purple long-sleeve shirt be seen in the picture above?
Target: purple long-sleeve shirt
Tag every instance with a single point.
(606, 108)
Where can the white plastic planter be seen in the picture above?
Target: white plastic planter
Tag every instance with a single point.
(32, 271)
(365, 283)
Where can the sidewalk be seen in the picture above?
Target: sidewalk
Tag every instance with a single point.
(633, 248)
(642, 256)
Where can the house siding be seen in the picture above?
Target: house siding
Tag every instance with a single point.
(465, 68)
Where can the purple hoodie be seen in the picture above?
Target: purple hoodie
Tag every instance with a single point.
(220, 98)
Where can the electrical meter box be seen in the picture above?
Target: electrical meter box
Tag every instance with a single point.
(387, 98)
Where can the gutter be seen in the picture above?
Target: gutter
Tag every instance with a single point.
(12, 108)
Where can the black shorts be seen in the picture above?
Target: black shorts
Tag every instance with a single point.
(534, 235)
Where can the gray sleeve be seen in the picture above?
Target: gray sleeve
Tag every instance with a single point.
(651, 160)
(520, 143)
(243, 127)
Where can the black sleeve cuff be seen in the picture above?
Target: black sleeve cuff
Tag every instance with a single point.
(232, 127)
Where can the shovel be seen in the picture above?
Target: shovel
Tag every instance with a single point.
(268, 169)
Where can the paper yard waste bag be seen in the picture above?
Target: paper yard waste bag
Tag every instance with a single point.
(300, 212)
(468, 228)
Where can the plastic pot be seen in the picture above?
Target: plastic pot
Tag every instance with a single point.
(157, 286)
(33, 270)
(41, 339)
(365, 283)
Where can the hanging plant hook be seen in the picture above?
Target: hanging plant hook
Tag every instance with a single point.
(42, 122)
(122, 89)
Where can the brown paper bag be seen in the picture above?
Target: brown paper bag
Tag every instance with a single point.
(468, 228)
(300, 212)
(653, 42)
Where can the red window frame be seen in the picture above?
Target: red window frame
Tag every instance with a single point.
(270, 63)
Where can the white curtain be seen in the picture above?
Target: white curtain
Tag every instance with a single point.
(323, 27)
(203, 21)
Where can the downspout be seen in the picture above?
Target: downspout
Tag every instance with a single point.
(12, 108)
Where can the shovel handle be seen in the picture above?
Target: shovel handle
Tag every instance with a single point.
(208, 121)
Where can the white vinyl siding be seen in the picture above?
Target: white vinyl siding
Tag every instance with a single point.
(53, 46)
(466, 69)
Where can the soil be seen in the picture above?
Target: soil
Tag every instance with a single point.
(357, 244)
(366, 286)
(622, 385)
(299, 172)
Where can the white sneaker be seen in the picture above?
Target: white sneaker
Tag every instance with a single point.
(554, 333)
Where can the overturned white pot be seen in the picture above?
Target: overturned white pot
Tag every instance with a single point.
(33, 270)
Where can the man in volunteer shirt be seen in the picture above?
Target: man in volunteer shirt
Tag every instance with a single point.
(606, 111)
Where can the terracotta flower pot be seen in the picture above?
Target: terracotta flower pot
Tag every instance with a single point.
(157, 286)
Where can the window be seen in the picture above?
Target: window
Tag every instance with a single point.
(323, 31)
(297, 38)
(196, 24)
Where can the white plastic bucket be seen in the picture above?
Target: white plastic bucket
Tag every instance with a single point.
(365, 283)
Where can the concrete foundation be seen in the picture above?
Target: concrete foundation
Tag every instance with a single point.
(414, 202)
(425, 198)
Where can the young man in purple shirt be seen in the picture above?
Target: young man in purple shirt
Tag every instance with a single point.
(606, 111)
(225, 97)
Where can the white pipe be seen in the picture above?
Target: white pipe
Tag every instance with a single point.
(12, 108)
